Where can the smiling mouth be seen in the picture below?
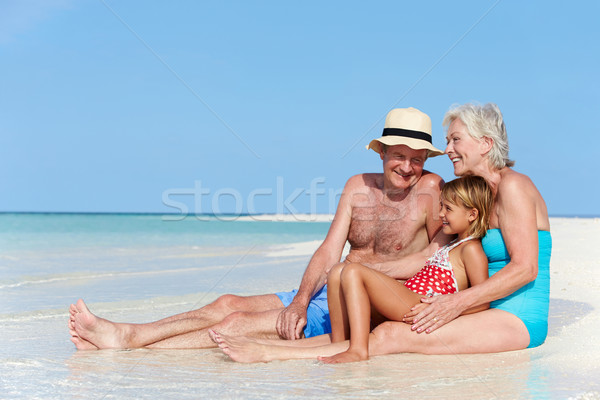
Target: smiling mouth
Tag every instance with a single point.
(456, 159)
(402, 175)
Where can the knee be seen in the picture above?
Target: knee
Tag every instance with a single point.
(381, 338)
(333, 276)
(236, 323)
(385, 331)
(232, 323)
(392, 337)
(229, 302)
(351, 272)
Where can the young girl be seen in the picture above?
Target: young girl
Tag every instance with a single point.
(465, 207)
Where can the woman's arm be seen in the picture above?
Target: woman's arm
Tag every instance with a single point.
(516, 208)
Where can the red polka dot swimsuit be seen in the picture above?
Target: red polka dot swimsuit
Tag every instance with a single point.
(437, 276)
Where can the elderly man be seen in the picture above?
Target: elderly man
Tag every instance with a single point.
(383, 216)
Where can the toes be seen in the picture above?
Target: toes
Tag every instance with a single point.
(81, 307)
(216, 337)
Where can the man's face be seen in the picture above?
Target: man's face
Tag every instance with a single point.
(402, 166)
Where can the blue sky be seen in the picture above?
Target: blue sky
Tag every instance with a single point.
(123, 106)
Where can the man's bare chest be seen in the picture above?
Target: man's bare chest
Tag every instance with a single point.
(384, 228)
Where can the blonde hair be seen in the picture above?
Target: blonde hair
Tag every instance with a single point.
(484, 121)
(471, 192)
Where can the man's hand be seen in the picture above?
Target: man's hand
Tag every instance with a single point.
(291, 321)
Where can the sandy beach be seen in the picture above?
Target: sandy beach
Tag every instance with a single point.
(38, 360)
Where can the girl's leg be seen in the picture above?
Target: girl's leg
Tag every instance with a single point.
(362, 288)
(248, 351)
(340, 330)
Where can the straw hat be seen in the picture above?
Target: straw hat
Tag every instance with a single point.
(407, 126)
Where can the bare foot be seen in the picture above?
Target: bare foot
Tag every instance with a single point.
(345, 357)
(99, 332)
(218, 337)
(241, 349)
(80, 343)
(214, 336)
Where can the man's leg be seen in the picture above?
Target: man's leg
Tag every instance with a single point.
(106, 334)
(261, 324)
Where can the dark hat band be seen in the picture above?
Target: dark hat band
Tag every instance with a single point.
(407, 133)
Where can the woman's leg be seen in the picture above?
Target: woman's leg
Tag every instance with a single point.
(489, 331)
(362, 288)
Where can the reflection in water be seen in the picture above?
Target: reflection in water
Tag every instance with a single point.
(208, 373)
(564, 313)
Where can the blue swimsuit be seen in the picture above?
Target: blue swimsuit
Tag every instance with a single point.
(529, 303)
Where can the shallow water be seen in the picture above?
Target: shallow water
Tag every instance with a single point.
(136, 273)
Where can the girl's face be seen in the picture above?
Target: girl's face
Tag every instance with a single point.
(456, 219)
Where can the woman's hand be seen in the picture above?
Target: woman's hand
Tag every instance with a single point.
(409, 318)
(439, 311)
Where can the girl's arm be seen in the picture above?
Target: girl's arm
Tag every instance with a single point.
(476, 267)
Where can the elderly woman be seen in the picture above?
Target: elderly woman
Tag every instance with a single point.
(518, 247)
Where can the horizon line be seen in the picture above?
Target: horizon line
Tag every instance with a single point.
(219, 214)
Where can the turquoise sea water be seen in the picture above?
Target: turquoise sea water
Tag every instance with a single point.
(45, 258)
(38, 231)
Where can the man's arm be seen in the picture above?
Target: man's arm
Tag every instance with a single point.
(409, 265)
(292, 319)
(430, 190)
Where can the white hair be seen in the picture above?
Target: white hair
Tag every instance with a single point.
(484, 121)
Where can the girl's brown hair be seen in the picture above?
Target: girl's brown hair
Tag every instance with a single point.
(471, 192)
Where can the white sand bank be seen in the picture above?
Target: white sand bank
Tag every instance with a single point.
(300, 249)
(287, 217)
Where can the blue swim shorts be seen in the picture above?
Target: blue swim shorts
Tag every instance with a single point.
(317, 313)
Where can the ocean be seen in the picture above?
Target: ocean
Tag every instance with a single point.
(139, 268)
(49, 258)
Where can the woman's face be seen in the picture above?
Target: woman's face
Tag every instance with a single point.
(463, 150)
